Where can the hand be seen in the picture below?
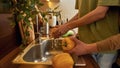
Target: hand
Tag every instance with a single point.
(52, 30)
(59, 31)
(80, 47)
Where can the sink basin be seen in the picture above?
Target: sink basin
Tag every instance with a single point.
(43, 51)
(40, 51)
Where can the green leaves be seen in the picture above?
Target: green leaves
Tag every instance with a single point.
(21, 7)
(25, 10)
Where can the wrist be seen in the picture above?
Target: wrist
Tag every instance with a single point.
(92, 48)
(70, 25)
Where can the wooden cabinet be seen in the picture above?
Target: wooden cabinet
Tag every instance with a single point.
(9, 36)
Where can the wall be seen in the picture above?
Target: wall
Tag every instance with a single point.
(68, 8)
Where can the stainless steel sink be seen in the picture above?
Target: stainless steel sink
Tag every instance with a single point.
(44, 50)
(40, 51)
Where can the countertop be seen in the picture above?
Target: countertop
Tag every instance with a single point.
(90, 62)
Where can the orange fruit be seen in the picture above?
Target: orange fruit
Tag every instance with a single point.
(67, 44)
(62, 60)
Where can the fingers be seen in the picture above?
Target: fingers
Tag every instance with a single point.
(52, 32)
(75, 39)
(71, 51)
(57, 32)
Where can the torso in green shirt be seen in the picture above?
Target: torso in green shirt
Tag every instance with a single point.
(103, 28)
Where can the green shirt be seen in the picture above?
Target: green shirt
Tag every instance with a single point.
(100, 29)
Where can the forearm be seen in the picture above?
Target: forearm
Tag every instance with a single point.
(110, 44)
(91, 17)
(72, 19)
(92, 48)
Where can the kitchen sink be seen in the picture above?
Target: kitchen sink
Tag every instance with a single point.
(40, 51)
(43, 51)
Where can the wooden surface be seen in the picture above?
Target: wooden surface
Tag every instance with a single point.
(90, 62)
(6, 62)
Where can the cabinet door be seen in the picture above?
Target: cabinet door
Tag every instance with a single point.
(8, 35)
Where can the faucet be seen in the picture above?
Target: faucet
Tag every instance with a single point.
(39, 53)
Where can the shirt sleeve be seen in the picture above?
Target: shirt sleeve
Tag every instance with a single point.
(109, 2)
(110, 44)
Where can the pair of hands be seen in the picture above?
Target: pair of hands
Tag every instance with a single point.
(80, 47)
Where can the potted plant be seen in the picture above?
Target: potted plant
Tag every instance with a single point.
(24, 12)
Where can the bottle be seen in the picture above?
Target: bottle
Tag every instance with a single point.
(52, 21)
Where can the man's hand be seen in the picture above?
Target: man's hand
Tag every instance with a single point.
(59, 31)
(80, 47)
